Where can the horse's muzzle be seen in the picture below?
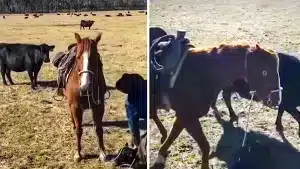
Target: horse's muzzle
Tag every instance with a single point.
(86, 87)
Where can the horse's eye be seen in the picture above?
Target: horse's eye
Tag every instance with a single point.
(264, 73)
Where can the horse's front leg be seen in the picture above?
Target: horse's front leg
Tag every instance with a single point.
(76, 114)
(162, 152)
(194, 128)
(227, 98)
(98, 113)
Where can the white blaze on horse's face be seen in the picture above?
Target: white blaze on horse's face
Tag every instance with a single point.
(85, 82)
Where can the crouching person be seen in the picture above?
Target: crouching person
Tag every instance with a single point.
(136, 102)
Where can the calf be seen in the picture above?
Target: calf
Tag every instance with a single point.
(23, 57)
(86, 23)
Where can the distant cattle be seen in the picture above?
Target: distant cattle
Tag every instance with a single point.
(26, 17)
(120, 14)
(68, 13)
(93, 14)
(107, 15)
(26, 14)
(23, 57)
(3, 17)
(36, 15)
(86, 23)
(58, 14)
(85, 15)
(41, 14)
(141, 12)
(128, 14)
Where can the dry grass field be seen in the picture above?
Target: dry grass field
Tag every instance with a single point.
(274, 24)
(35, 130)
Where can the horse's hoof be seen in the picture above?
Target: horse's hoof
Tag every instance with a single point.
(102, 157)
(77, 158)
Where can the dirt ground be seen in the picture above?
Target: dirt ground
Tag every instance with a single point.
(272, 24)
(35, 130)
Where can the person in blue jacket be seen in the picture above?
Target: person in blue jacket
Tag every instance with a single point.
(136, 102)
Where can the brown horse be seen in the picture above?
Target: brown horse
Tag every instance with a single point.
(85, 84)
(203, 74)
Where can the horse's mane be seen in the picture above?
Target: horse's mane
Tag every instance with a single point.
(220, 49)
(84, 46)
(227, 47)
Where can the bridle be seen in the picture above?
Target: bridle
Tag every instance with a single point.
(90, 96)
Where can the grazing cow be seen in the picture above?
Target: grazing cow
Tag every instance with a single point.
(93, 14)
(107, 15)
(36, 15)
(58, 14)
(86, 23)
(120, 14)
(190, 79)
(23, 57)
(26, 14)
(85, 15)
(128, 14)
(3, 17)
(289, 66)
(26, 17)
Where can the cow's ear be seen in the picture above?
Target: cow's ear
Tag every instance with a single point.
(51, 47)
(98, 38)
(77, 37)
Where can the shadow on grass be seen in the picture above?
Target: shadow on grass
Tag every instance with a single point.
(260, 151)
(121, 124)
(53, 84)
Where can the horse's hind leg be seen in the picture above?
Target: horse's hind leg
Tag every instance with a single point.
(97, 117)
(162, 153)
(194, 128)
(77, 117)
(227, 98)
(160, 127)
(9, 77)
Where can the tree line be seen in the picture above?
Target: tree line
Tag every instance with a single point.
(47, 6)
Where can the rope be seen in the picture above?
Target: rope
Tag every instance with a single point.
(248, 117)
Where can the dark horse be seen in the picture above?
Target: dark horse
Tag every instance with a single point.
(289, 68)
(85, 84)
(203, 74)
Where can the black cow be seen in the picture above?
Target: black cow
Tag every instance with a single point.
(289, 70)
(23, 57)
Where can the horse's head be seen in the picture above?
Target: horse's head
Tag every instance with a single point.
(86, 58)
(263, 75)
